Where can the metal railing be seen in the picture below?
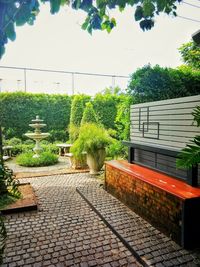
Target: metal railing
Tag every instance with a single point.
(26, 79)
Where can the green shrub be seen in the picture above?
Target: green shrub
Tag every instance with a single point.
(89, 115)
(73, 133)
(122, 119)
(58, 135)
(45, 159)
(52, 148)
(14, 141)
(21, 148)
(91, 138)
(29, 142)
(116, 150)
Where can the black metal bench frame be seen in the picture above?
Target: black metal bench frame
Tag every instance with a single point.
(192, 173)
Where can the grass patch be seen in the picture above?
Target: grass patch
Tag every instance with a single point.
(45, 159)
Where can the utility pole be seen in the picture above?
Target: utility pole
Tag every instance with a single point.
(73, 83)
(25, 80)
(1, 84)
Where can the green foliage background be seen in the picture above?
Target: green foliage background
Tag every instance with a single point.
(18, 109)
(190, 53)
(105, 106)
(157, 83)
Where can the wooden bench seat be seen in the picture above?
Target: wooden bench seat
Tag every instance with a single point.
(169, 204)
(160, 180)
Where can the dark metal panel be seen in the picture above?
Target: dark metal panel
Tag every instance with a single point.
(191, 223)
(158, 149)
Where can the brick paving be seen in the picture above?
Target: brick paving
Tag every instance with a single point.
(154, 248)
(65, 231)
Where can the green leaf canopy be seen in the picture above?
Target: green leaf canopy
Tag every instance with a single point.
(18, 12)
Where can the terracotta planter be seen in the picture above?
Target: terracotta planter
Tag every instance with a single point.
(96, 161)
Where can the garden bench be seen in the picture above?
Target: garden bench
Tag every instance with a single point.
(169, 204)
(150, 183)
(63, 149)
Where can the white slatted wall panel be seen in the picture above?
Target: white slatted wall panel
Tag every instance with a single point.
(166, 123)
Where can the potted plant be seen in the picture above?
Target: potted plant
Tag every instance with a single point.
(93, 139)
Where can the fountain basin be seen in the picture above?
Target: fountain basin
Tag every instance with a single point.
(36, 136)
(37, 125)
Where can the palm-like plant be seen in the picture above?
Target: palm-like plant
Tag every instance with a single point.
(190, 155)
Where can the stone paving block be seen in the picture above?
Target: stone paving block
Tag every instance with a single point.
(64, 232)
(149, 244)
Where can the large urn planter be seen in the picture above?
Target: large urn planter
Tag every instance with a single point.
(93, 139)
(95, 161)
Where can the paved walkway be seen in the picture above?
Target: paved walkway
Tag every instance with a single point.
(64, 232)
(79, 224)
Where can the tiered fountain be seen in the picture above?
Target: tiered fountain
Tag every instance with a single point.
(37, 135)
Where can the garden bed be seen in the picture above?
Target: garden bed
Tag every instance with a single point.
(27, 201)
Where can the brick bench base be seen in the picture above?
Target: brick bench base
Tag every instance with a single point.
(169, 204)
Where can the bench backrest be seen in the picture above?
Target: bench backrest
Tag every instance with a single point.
(167, 125)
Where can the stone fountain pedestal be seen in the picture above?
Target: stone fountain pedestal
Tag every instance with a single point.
(37, 135)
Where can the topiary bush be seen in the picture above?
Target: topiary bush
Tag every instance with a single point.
(45, 159)
(89, 115)
(77, 108)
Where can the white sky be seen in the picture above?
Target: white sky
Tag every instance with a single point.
(58, 42)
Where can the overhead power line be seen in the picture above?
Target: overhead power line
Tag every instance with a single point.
(194, 20)
(189, 4)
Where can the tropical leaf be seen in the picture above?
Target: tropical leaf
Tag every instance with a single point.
(190, 155)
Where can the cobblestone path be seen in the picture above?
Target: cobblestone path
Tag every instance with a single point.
(64, 232)
(153, 247)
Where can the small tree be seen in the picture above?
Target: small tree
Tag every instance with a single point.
(157, 83)
(89, 115)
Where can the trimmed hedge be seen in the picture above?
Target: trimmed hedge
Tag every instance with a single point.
(18, 109)
(45, 159)
(105, 106)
